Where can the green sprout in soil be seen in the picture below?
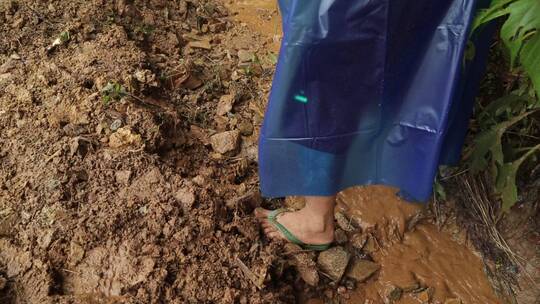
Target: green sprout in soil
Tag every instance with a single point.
(63, 38)
(113, 91)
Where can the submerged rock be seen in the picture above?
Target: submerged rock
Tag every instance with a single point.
(345, 223)
(333, 262)
(361, 270)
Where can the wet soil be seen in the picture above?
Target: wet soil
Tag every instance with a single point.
(128, 135)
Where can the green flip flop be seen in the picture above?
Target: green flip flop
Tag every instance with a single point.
(272, 218)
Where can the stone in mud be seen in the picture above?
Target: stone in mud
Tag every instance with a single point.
(202, 44)
(122, 176)
(361, 270)
(394, 295)
(424, 296)
(304, 262)
(307, 269)
(245, 128)
(124, 137)
(225, 142)
(345, 223)
(359, 240)
(245, 56)
(225, 104)
(371, 246)
(186, 197)
(146, 77)
(340, 236)
(333, 262)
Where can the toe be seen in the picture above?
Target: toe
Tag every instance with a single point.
(274, 235)
(266, 224)
(268, 230)
(261, 213)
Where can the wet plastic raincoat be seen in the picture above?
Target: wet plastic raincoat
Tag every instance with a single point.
(369, 92)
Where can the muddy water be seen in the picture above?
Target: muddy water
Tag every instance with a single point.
(422, 256)
(262, 16)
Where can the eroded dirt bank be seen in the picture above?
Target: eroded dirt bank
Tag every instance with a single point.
(128, 169)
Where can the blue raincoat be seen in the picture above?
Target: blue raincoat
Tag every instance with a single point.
(369, 92)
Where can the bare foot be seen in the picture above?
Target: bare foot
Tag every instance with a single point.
(308, 225)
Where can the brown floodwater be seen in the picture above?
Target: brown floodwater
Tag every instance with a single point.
(422, 256)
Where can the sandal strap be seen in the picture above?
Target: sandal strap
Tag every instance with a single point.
(272, 218)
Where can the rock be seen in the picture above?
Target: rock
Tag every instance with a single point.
(395, 294)
(303, 262)
(345, 223)
(217, 27)
(45, 239)
(245, 128)
(225, 142)
(3, 282)
(124, 137)
(359, 240)
(122, 176)
(452, 301)
(340, 236)
(350, 284)
(186, 197)
(341, 290)
(192, 82)
(146, 77)
(424, 296)
(225, 104)
(371, 246)
(333, 262)
(245, 56)
(361, 270)
(307, 269)
(202, 44)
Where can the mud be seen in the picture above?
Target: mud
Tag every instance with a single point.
(110, 189)
(413, 256)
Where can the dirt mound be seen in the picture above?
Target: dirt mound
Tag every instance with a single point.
(110, 190)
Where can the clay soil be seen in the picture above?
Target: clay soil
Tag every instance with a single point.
(128, 167)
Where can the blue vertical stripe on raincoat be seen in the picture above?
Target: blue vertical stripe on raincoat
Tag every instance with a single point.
(368, 92)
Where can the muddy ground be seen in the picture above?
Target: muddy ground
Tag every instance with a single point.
(128, 161)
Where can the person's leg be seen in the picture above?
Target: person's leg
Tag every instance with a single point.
(313, 224)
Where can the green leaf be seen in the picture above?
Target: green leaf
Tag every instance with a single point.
(523, 17)
(506, 180)
(489, 141)
(439, 190)
(495, 11)
(484, 143)
(520, 32)
(530, 58)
